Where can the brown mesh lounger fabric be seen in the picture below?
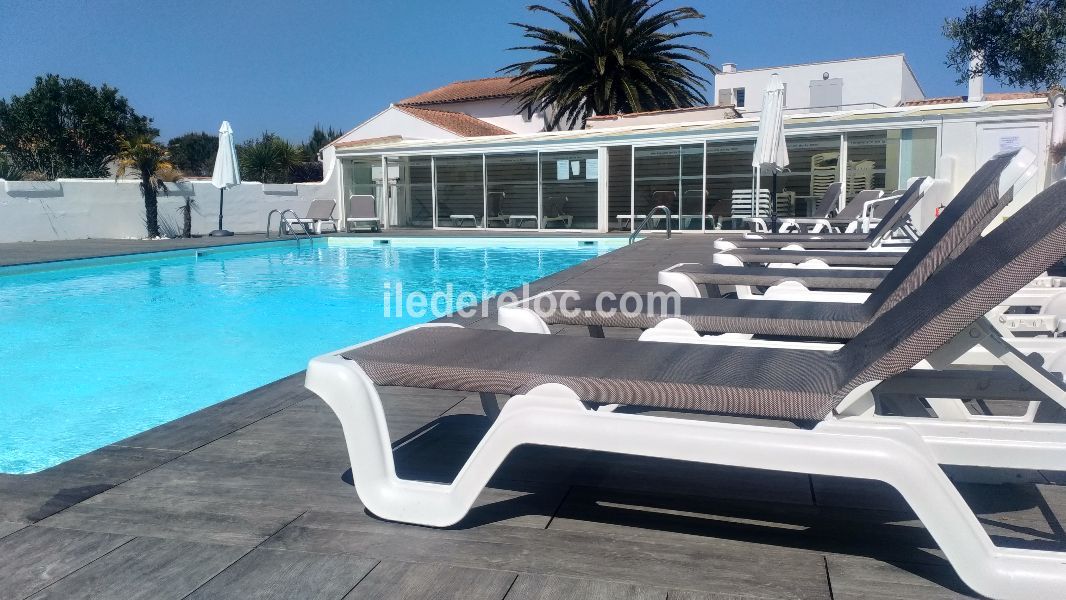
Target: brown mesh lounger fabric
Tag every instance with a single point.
(958, 228)
(788, 384)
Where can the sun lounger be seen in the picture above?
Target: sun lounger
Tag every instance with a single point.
(894, 219)
(593, 394)
(555, 212)
(976, 205)
(957, 229)
(362, 211)
(320, 213)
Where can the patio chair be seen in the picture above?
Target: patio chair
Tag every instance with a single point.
(319, 214)
(602, 394)
(494, 214)
(980, 200)
(362, 210)
(826, 208)
(555, 212)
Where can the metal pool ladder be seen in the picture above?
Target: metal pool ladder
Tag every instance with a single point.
(281, 225)
(647, 217)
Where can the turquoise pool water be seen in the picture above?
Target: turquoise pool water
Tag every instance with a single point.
(99, 351)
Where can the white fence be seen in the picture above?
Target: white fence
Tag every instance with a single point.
(70, 209)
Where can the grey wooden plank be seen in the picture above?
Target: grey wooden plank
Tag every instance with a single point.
(146, 568)
(35, 557)
(550, 587)
(856, 578)
(711, 565)
(694, 595)
(9, 527)
(266, 574)
(391, 580)
(221, 522)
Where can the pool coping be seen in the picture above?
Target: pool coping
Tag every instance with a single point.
(99, 470)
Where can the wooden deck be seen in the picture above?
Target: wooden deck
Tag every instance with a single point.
(252, 497)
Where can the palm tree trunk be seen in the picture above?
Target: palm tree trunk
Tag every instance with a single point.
(186, 225)
(151, 206)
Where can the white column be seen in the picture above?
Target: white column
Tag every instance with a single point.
(602, 188)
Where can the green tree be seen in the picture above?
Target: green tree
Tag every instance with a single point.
(194, 153)
(144, 156)
(1022, 43)
(67, 128)
(268, 159)
(318, 140)
(613, 56)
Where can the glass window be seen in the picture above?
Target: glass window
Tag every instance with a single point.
(363, 177)
(512, 190)
(887, 159)
(728, 174)
(917, 154)
(460, 191)
(690, 207)
(412, 192)
(813, 167)
(656, 172)
(570, 189)
(740, 96)
(619, 187)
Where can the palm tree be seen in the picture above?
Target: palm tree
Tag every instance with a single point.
(268, 159)
(615, 56)
(147, 158)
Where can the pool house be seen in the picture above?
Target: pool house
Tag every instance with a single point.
(607, 179)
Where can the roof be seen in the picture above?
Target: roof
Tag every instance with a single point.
(471, 89)
(663, 112)
(821, 62)
(989, 97)
(685, 130)
(387, 139)
(455, 122)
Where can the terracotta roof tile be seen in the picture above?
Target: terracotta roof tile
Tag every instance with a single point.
(455, 122)
(388, 139)
(473, 89)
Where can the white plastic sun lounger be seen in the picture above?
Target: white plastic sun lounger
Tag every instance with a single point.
(586, 393)
(320, 213)
(362, 211)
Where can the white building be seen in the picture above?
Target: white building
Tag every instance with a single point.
(855, 83)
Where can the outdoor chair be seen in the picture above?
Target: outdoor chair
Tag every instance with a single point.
(319, 214)
(494, 214)
(362, 210)
(625, 397)
(555, 212)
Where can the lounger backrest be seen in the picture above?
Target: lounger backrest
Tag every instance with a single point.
(965, 289)
(853, 210)
(362, 207)
(321, 210)
(899, 211)
(829, 202)
(495, 203)
(555, 205)
(946, 236)
(667, 198)
(881, 209)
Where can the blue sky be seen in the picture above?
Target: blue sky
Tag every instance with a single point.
(286, 65)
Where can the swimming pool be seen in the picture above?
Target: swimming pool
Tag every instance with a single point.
(92, 352)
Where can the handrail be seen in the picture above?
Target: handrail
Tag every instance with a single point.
(647, 217)
(270, 215)
(292, 230)
(281, 225)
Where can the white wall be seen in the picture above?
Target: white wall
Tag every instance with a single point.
(393, 121)
(93, 208)
(866, 82)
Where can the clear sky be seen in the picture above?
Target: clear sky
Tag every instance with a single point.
(285, 65)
